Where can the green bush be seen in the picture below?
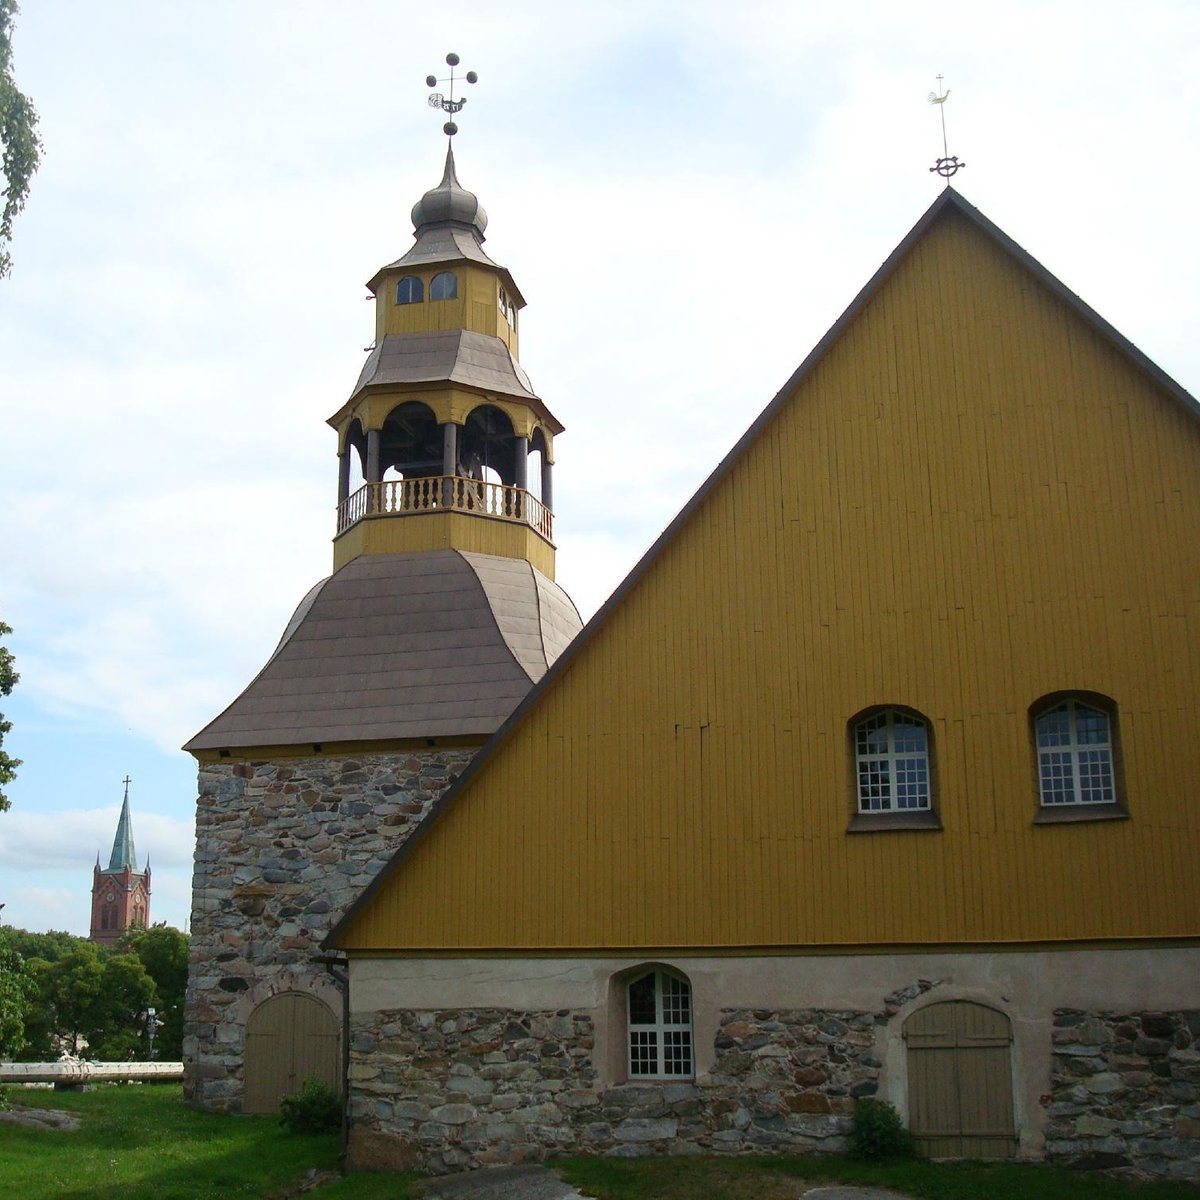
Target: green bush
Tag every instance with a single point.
(878, 1134)
(313, 1109)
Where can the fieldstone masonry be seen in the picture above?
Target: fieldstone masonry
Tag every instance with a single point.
(466, 1088)
(282, 849)
(1125, 1092)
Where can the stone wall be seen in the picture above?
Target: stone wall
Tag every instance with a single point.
(1125, 1092)
(282, 849)
(465, 1088)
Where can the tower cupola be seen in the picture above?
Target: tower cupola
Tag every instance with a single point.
(436, 439)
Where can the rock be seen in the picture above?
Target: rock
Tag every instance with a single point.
(39, 1118)
(640, 1129)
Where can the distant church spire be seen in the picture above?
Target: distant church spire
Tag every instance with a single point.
(120, 892)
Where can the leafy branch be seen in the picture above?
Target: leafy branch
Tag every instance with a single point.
(18, 135)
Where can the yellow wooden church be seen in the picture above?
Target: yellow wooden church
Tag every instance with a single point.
(873, 778)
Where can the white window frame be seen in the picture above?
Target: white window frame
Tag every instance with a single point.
(1074, 754)
(671, 1028)
(891, 764)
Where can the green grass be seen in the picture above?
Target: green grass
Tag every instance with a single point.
(753, 1178)
(140, 1143)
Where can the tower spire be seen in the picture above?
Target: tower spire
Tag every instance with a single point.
(123, 853)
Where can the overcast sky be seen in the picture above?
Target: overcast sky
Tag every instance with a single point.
(688, 194)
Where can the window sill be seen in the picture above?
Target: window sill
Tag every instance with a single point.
(1072, 814)
(879, 822)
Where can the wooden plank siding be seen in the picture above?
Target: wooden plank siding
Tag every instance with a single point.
(971, 501)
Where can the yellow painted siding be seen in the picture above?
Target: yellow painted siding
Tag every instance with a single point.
(444, 531)
(477, 306)
(970, 502)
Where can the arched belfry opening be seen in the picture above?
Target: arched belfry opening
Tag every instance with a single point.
(410, 446)
(488, 449)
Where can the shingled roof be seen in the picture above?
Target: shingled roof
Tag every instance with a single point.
(432, 644)
(458, 355)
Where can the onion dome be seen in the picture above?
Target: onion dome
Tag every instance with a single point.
(449, 203)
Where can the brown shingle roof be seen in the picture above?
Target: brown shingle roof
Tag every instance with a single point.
(458, 355)
(431, 644)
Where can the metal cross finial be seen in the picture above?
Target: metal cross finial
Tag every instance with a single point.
(948, 164)
(448, 105)
(126, 781)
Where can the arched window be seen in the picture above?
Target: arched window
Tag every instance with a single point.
(1075, 753)
(891, 762)
(443, 286)
(410, 290)
(659, 1021)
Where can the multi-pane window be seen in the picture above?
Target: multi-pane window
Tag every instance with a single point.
(410, 290)
(891, 762)
(443, 286)
(1075, 754)
(660, 1026)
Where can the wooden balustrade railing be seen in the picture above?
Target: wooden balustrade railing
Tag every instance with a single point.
(437, 493)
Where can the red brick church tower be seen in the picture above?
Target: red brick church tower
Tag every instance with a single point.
(120, 892)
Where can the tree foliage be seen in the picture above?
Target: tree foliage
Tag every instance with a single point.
(163, 951)
(89, 999)
(50, 946)
(17, 992)
(18, 135)
(8, 680)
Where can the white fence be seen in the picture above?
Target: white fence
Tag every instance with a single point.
(87, 1072)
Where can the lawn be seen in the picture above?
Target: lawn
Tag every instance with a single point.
(142, 1144)
(784, 1178)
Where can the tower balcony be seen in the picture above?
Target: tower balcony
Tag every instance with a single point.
(444, 494)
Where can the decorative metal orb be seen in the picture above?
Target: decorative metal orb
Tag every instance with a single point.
(472, 77)
(452, 59)
(431, 80)
(449, 129)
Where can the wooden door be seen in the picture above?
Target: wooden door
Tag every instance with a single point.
(290, 1038)
(960, 1101)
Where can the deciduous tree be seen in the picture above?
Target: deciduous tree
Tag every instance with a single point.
(8, 680)
(18, 135)
(17, 990)
(163, 951)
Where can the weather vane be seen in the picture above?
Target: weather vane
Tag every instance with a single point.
(449, 104)
(948, 164)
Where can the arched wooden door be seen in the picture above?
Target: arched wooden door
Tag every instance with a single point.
(960, 1094)
(290, 1038)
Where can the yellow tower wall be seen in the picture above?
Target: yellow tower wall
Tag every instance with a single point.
(477, 306)
(389, 534)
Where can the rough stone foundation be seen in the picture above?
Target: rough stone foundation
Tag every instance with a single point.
(1125, 1092)
(282, 849)
(465, 1088)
